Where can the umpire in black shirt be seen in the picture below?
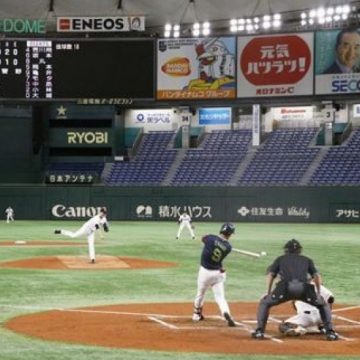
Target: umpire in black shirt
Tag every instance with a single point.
(294, 270)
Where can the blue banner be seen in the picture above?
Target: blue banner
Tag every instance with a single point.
(215, 116)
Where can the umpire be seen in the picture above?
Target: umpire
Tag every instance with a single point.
(294, 270)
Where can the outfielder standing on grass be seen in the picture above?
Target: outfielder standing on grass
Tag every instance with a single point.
(89, 229)
(185, 221)
(294, 270)
(212, 273)
(9, 214)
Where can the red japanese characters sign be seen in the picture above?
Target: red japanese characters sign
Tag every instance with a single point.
(276, 65)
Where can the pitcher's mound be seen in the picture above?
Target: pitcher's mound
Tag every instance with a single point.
(82, 262)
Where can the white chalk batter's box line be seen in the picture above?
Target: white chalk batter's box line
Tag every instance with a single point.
(241, 325)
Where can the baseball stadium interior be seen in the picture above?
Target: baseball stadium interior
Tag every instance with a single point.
(144, 141)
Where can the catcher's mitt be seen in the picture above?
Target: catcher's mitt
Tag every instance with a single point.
(289, 329)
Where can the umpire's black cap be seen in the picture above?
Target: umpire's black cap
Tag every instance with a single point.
(293, 247)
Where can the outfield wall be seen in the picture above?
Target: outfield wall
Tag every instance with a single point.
(238, 204)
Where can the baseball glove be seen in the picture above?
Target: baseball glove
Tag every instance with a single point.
(106, 227)
(289, 329)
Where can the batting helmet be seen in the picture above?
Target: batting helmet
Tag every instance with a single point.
(293, 247)
(227, 229)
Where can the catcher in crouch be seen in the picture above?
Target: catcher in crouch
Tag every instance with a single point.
(307, 319)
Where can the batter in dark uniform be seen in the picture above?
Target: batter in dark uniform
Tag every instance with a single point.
(294, 270)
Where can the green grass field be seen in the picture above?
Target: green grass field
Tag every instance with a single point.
(334, 248)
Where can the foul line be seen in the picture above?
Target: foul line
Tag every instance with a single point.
(346, 308)
(250, 330)
(164, 323)
(347, 319)
(155, 318)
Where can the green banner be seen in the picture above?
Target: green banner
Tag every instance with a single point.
(236, 204)
(81, 137)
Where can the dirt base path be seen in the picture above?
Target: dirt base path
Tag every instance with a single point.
(169, 327)
(103, 262)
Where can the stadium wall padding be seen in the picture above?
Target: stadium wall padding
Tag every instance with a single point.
(237, 204)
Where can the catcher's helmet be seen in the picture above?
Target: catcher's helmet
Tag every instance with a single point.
(227, 229)
(293, 247)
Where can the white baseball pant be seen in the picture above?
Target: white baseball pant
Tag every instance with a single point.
(188, 226)
(214, 279)
(90, 238)
(306, 319)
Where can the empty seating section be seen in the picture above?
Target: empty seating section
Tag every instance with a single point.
(282, 160)
(149, 166)
(215, 161)
(341, 164)
(76, 167)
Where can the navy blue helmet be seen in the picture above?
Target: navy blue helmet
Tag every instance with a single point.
(227, 229)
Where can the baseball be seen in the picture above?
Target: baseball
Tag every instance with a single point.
(263, 253)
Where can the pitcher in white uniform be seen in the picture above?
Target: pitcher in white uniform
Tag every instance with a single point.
(185, 221)
(89, 229)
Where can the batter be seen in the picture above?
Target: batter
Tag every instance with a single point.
(212, 273)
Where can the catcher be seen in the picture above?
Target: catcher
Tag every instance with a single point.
(308, 319)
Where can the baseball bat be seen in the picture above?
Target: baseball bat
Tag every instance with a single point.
(249, 253)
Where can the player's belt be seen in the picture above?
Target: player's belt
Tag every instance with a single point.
(307, 312)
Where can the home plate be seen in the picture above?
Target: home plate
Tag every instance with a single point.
(102, 262)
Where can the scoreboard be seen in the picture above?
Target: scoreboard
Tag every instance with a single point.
(48, 69)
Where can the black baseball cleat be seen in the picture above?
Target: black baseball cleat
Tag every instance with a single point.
(331, 335)
(92, 261)
(57, 232)
(229, 320)
(197, 315)
(258, 334)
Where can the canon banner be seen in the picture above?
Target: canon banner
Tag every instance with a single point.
(275, 65)
(196, 68)
(337, 62)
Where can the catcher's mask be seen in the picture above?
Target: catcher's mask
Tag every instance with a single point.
(227, 229)
(293, 247)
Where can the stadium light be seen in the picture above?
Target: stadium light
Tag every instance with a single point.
(325, 15)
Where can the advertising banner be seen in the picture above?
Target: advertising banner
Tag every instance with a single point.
(23, 26)
(293, 113)
(345, 212)
(196, 68)
(337, 61)
(356, 110)
(151, 119)
(256, 125)
(84, 137)
(100, 23)
(215, 116)
(275, 65)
